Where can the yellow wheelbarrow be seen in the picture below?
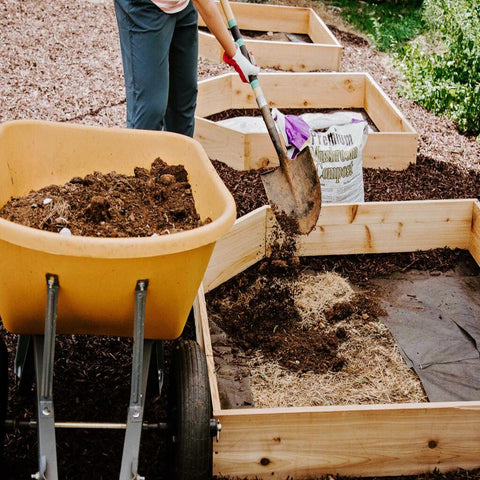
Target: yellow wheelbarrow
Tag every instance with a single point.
(140, 287)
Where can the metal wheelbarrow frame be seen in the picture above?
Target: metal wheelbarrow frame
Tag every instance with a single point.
(190, 427)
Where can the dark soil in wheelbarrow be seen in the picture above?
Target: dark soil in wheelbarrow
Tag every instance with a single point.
(151, 202)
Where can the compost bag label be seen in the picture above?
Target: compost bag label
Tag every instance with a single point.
(337, 154)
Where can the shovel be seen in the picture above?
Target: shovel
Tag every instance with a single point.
(293, 189)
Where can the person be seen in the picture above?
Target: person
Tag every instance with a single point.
(159, 45)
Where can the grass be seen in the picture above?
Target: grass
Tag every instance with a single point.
(387, 25)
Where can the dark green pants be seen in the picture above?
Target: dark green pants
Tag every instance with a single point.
(160, 54)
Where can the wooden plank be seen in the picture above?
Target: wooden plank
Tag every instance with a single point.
(221, 143)
(390, 150)
(394, 151)
(209, 48)
(259, 151)
(356, 440)
(320, 33)
(414, 211)
(245, 151)
(383, 227)
(386, 116)
(288, 56)
(475, 235)
(214, 95)
(265, 18)
(240, 248)
(304, 90)
(385, 238)
(271, 18)
(294, 57)
(345, 90)
(202, 331)
(323, 54)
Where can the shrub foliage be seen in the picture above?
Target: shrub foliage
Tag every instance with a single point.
(388, 24)
(441, 69)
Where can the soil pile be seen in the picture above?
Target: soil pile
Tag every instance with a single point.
(152, 202)
(261, 310)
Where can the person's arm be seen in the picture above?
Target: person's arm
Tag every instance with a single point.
(216, 24)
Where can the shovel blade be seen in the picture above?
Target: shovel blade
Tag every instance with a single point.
(293, 190)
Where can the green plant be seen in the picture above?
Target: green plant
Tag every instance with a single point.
(441, 69)
(387, 24)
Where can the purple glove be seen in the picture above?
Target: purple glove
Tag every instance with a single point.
(297, 131)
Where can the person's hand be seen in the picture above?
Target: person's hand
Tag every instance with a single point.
(242, 65)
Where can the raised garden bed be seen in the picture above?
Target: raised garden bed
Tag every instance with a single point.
(288, 38)
(360, 440)
(393, 146)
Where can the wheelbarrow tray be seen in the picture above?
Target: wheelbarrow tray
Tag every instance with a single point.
(97, 276)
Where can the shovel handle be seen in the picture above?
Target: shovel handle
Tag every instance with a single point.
(257, 89)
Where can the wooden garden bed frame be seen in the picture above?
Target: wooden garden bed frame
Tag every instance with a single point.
(323, 53)
(360, 440)
(394, 146)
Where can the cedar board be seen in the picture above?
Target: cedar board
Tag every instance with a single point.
(360, 440)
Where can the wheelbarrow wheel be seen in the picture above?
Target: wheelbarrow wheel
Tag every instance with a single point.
(3, 393)
(191, 411)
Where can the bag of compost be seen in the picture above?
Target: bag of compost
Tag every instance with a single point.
(337, 153)
(336, 141)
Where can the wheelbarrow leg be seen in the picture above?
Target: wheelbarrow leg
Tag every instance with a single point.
(142, 350)
(157, 367)
(44, 351)
(23, 365)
